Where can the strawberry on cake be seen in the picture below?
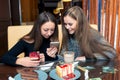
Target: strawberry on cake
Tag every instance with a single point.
(34, 55)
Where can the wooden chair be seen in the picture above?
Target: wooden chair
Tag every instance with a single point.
(94, 26)
(15, 33)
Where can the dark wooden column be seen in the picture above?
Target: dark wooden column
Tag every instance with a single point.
(9, 15)
(16, 16)
(5, 20)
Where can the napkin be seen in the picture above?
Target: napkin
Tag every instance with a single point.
(95, 78)
(10, 78)
(86, 75)
(75, 63)
(46, 66)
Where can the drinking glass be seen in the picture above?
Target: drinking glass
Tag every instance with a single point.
(68, 56)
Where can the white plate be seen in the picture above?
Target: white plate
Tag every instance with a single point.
(41, 75)
(53, 75)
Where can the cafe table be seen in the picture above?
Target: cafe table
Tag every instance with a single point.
(95, 68)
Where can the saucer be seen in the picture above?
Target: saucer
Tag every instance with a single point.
(53, 75)
(41, 75)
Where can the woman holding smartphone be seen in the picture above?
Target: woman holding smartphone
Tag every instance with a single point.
(44, 31)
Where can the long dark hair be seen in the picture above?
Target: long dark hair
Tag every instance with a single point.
(83, 34)
(35, 33)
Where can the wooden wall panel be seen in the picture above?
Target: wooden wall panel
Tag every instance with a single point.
(113, 21)
(118, 31)
(85, 6)
(93, 12)
(34, 9)
(25, 9)
(109, 19)
(29, 10)
(102, 27)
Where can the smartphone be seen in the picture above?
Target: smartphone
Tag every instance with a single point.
(54, 44)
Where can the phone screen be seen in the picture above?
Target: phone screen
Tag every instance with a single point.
(54, 44)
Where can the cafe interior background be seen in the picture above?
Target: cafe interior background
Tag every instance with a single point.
(105, 14)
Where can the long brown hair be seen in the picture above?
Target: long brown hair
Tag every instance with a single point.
(35, 33)
(83, 34)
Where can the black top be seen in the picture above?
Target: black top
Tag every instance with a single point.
(21, 46)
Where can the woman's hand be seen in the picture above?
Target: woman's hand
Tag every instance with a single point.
(81, 58)
(30, 62)
(52, 51)
(42, 57)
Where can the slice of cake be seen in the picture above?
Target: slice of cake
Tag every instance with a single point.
(65, 71)
(28, 73)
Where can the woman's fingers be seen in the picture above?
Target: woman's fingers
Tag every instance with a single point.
(52, 51)
(42, 57)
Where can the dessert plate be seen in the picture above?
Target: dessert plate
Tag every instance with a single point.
(53, 75)
(41, 75)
